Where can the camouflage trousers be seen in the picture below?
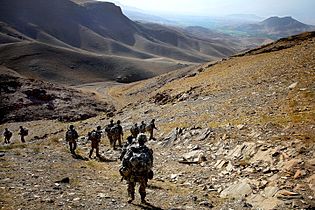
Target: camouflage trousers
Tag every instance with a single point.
(73, 146)
(143, 181)
(94, 145)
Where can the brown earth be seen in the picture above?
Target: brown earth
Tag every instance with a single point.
(25, 99)
(235, 134)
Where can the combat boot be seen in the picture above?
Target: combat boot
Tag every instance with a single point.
(143, 197)
(132, 197)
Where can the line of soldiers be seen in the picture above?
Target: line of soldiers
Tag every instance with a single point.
(8, 135)
(114, 134)
(130, 152)
(143, 128)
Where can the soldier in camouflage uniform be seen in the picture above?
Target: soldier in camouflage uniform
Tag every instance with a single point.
(23, 132)
(142, 127)
(134, 130)
(136, 177)
(71, 137)
(108, 131)
(117, 134)
(150, 129)
(7, 136)
(95, 137)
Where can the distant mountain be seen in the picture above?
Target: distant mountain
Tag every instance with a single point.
(97, 29)
(276, 27)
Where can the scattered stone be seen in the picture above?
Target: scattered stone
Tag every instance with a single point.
(285, 194)
(238, 190)
(270, 191)
(206, 203)
(299, 173)
(260, 202)
(240, 126)
(76, 199)
(289, 165)
(65, 180)
(311, 181)
(293, 85)
(2, 154)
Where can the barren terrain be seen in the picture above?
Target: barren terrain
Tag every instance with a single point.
(234, 134)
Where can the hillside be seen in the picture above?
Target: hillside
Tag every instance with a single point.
(233, 134)
(24, 99)
(91, 29)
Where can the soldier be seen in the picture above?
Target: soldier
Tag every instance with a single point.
(134, 130)
(7, 136)
(108, 131)
(142, 127)
(126, 146)
(150, 129)
(95, 137)
(117, 134)
(23, 132)
(136, 167)
(71, 137)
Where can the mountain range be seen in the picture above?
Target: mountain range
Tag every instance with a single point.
(98, 40)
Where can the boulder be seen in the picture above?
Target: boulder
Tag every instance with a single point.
(260, 202)
(238, 190)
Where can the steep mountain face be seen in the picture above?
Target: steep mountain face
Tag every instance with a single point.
(97, 23)
(277, 27)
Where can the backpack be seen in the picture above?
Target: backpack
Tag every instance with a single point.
(137, 161)
(25, 132)
(115, 130)
(8, 134)
(108, 127)
(142, 128)
(134, 130)
(71, 135)
(95, 136)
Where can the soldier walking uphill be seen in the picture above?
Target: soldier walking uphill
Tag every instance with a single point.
(7, 136)
(117, 134)
(71, 137)
(134, 130)
(142, 127)
(150, 129)
(95, 138)
(109, 133)
(23, 132)
(136, 167)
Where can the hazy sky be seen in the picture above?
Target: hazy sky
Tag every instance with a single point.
(303, 10)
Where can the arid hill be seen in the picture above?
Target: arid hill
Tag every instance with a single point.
(99, 34)
(277, 27)
(232, 134)
(25, 99)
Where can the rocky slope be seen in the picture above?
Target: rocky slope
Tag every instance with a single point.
(25, 99)
(235, 134)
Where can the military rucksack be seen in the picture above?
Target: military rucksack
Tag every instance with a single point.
(8, 134)
(71, 135)
(95, 136)
(142, 128)
(138, 160)
(115, 130)
(25, 132)
(134, 130)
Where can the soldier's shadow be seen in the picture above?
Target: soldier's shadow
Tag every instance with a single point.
(147, 206)
(79, 157)
(103, 159)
